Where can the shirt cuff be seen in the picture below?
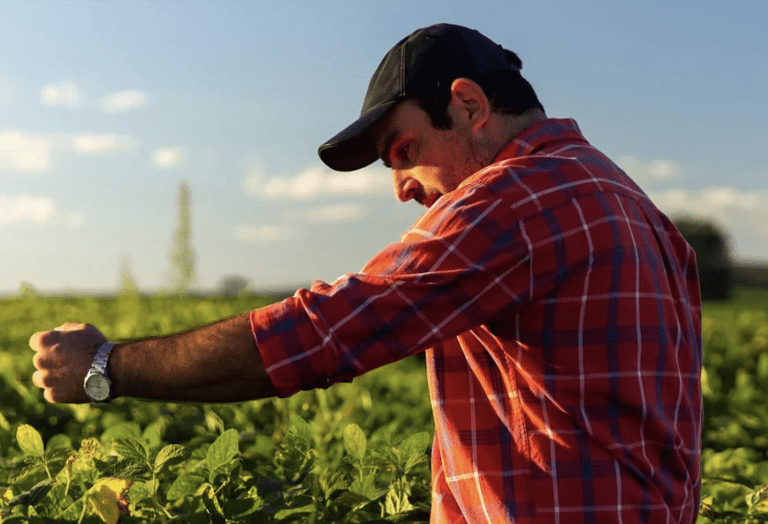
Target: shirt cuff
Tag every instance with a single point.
(284, 340)
(271, 355)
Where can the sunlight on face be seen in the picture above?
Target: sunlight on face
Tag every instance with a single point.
(426, 162)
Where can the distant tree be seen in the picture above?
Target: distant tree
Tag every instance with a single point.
(713, 257)
(28, 291)
(128, 287)
(234, 285)
(182, 256)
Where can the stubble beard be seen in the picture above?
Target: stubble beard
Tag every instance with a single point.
(477, 158)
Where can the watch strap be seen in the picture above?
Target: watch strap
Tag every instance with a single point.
(101, 358)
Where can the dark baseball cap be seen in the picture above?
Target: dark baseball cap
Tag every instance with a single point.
(421, 63)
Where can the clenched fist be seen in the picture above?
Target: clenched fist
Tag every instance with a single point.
(62, 358)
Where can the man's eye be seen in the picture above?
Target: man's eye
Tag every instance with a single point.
(402, 153)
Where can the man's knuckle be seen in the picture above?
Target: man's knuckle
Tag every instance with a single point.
(70, 326)
(46, 359)
(49, 338)
(37, 340)
(46, 379)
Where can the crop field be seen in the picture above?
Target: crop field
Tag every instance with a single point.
(357, 452)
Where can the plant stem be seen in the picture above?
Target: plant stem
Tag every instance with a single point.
(82, 514)
(48, 471)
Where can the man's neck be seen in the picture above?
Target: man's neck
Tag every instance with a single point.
(502, 129)
(513, 125)
(499, 130)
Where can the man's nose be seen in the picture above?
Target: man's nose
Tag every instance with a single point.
(406, 188)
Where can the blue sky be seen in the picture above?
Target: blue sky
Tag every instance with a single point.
(106, 107)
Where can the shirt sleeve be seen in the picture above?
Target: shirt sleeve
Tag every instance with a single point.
(463, 262)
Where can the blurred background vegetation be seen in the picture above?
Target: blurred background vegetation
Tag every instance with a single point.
(719, 273)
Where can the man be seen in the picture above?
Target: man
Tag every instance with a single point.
(558, 308)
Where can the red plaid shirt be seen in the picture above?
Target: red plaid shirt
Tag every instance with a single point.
(560, 314)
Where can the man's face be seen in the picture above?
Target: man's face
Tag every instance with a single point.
(426, 162)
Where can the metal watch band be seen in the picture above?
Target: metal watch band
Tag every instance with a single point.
(102, 357)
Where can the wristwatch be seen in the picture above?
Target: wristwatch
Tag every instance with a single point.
(97, 384)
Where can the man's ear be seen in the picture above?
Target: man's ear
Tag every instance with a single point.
(470, 103)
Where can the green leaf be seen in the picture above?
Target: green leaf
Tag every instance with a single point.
(416, 444)
(152, 434)
(107, 496)
(212, 505)
(299, 427)
(298, 515)
(212, 420)
(757, 496)
(184, 485)
(741, 480)
(350, 499)
(239, 508)
(15, 519)
(29, 440)
(169, 455)
(331, 481)
(396, 502)
(132, 449)
(33, 496)
(365, 487)
(133, 470)
(58, 441)
(225, 470)
(140, 491)
(89, 447)
(354, 441)
(121, 430)
(224, 449)
(58, 455)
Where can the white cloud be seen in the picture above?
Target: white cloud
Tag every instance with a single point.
(742, 214)
(21, 151)
(652, 170)
(336, 213)
(264, 233)
(123, 101)
(60, 94)
(711, 201)
(316, 182)
(37, 210)
(89, 144)
(26, 208)
(167, 157)
(32, 152)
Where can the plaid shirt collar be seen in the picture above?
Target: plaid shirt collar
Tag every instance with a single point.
(540, 135)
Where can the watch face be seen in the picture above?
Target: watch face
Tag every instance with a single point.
(97, 387)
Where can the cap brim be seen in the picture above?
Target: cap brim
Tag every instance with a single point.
(353, 148)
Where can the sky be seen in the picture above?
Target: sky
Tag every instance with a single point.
(107, 107)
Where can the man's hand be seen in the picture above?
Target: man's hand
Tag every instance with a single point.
(214, 363)
(62, 358)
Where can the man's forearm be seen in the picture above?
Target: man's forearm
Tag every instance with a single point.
(215, 363)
